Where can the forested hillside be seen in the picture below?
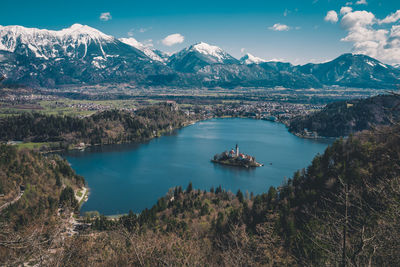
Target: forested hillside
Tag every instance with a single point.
(346, 117)
(107, 127)
(36, 197)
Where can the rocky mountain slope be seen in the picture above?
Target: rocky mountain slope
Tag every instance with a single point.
(76, 55)
(197, 56)
(154, 54)
(353, 71)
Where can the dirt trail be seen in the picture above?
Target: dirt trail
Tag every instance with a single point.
(4, 206)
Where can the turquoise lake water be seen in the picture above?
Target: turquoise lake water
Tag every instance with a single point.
(133, 176)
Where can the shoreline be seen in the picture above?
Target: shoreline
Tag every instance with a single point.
(185, 124)
(237, 164)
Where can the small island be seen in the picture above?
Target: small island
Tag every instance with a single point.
(234, 158)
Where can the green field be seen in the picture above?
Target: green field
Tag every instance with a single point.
(66, 107)
(31, 145)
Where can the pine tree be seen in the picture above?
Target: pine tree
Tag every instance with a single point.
(189, 188)
(239, 195)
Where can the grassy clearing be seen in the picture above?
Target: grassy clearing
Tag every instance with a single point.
(32, 145)
(67, 107)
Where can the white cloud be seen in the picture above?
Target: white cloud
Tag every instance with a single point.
(173, 39)
(331, 16)
(369, 37)
(391, 18)
(361, 2)
(357, 19)
(344, 10)
(279, 27)
(242, 50)
(106, 16)
(395, 31)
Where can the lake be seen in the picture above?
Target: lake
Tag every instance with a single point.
(133, 176)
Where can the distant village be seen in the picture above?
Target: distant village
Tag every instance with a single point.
(269, 110)
(272, 111)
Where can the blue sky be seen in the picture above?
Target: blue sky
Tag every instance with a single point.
(305, 35)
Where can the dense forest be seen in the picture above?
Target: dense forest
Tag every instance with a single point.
(342, 210)
(107, 127)
(44, 189)
(346, 117)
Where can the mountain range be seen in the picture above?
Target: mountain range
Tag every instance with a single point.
(81, 55)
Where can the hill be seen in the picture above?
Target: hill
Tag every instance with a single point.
(37, 196)
(346, 117)
(107, 127)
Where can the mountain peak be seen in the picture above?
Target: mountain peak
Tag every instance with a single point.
(83, 30)
(250, 59)
(41, 42)
(76, 26)
(210, 50)
(360, 58)
(199, 55)
(74, 29)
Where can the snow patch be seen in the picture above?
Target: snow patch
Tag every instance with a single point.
(250, 59)
(383, 65)
(210, 50)
(144, 48)
(52, 44)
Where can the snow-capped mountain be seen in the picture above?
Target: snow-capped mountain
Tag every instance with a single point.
(75, 55)
(195, 57)
(353, 70)
(250, 59)
(77, 41)
(83, 55)
(154, 54)
(214, 53)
